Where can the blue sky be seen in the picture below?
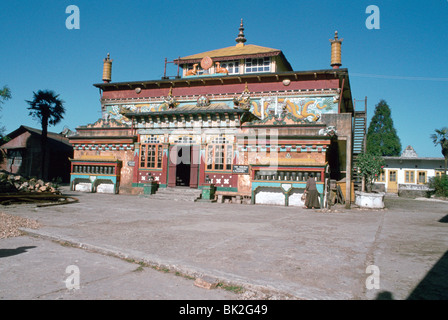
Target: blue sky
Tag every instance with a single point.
(403, 62)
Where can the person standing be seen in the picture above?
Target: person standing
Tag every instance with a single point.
(312, 195)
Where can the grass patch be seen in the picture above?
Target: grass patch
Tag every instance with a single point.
(177, 273)
(231, 288)
(228, 287)
(139, 269)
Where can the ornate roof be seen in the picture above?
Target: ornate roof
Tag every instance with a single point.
(233, 52)
(409, 152)
(239, 51)
(195, 111)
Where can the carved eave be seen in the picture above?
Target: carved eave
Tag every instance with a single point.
(198, 114)
(240, 78)
(196, 83)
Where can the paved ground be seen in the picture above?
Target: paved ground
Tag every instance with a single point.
(118, 241)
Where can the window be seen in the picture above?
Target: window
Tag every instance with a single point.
(439, 173)
(409, 177)
(151, 139)
(231, 66)
(184, 140)
(382, 177)
(258, 65)
(421, 177)
(14, 157)
(392, 176)
(219, 154)
(151, 156)
(199, 70)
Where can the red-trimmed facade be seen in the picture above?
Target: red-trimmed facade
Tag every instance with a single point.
(254, 136)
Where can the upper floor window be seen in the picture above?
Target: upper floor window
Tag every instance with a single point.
(258, 65)
(232, 66)
(184, 140)
(199, 70)
(151, 139)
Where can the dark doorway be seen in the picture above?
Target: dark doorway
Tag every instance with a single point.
(183, 167)
(184, 161)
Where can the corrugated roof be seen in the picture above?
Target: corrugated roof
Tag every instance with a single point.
(51, 136)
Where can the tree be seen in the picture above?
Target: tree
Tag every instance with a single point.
(5, 94)
(370, 167)
(48, 109)
(382, 138)
(441, 138)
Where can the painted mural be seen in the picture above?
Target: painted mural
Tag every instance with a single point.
(303, 108)
(308, 109)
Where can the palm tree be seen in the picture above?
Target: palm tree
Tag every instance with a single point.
(5, 94)
(48, 109)
(441, 137)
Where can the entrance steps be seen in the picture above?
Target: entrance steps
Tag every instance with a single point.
(177, 194)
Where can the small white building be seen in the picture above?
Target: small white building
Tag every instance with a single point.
(409, 173)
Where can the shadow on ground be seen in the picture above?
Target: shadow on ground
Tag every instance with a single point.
(434, 286)
(12, 252)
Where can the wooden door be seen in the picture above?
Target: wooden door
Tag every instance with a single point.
(194, 167)
(392, 183)
(172, 163)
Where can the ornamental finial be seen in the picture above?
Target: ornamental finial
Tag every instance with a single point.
(241, 39)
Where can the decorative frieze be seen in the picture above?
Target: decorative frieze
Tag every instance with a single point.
(104, 146)
(285, 148)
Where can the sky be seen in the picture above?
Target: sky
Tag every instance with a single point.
(398, 52)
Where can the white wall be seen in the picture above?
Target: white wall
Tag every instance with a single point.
(428, 165)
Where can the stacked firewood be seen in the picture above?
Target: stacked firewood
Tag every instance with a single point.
(10, 183)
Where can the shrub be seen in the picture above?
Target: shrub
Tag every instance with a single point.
(440, 185)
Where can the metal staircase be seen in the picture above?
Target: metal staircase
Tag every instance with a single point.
(359, 140)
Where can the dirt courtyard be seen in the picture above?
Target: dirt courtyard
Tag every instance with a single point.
(286, 252)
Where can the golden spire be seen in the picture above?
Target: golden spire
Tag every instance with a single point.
(107, 69)
(336, 51)
(246, 89)
(240, 39)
